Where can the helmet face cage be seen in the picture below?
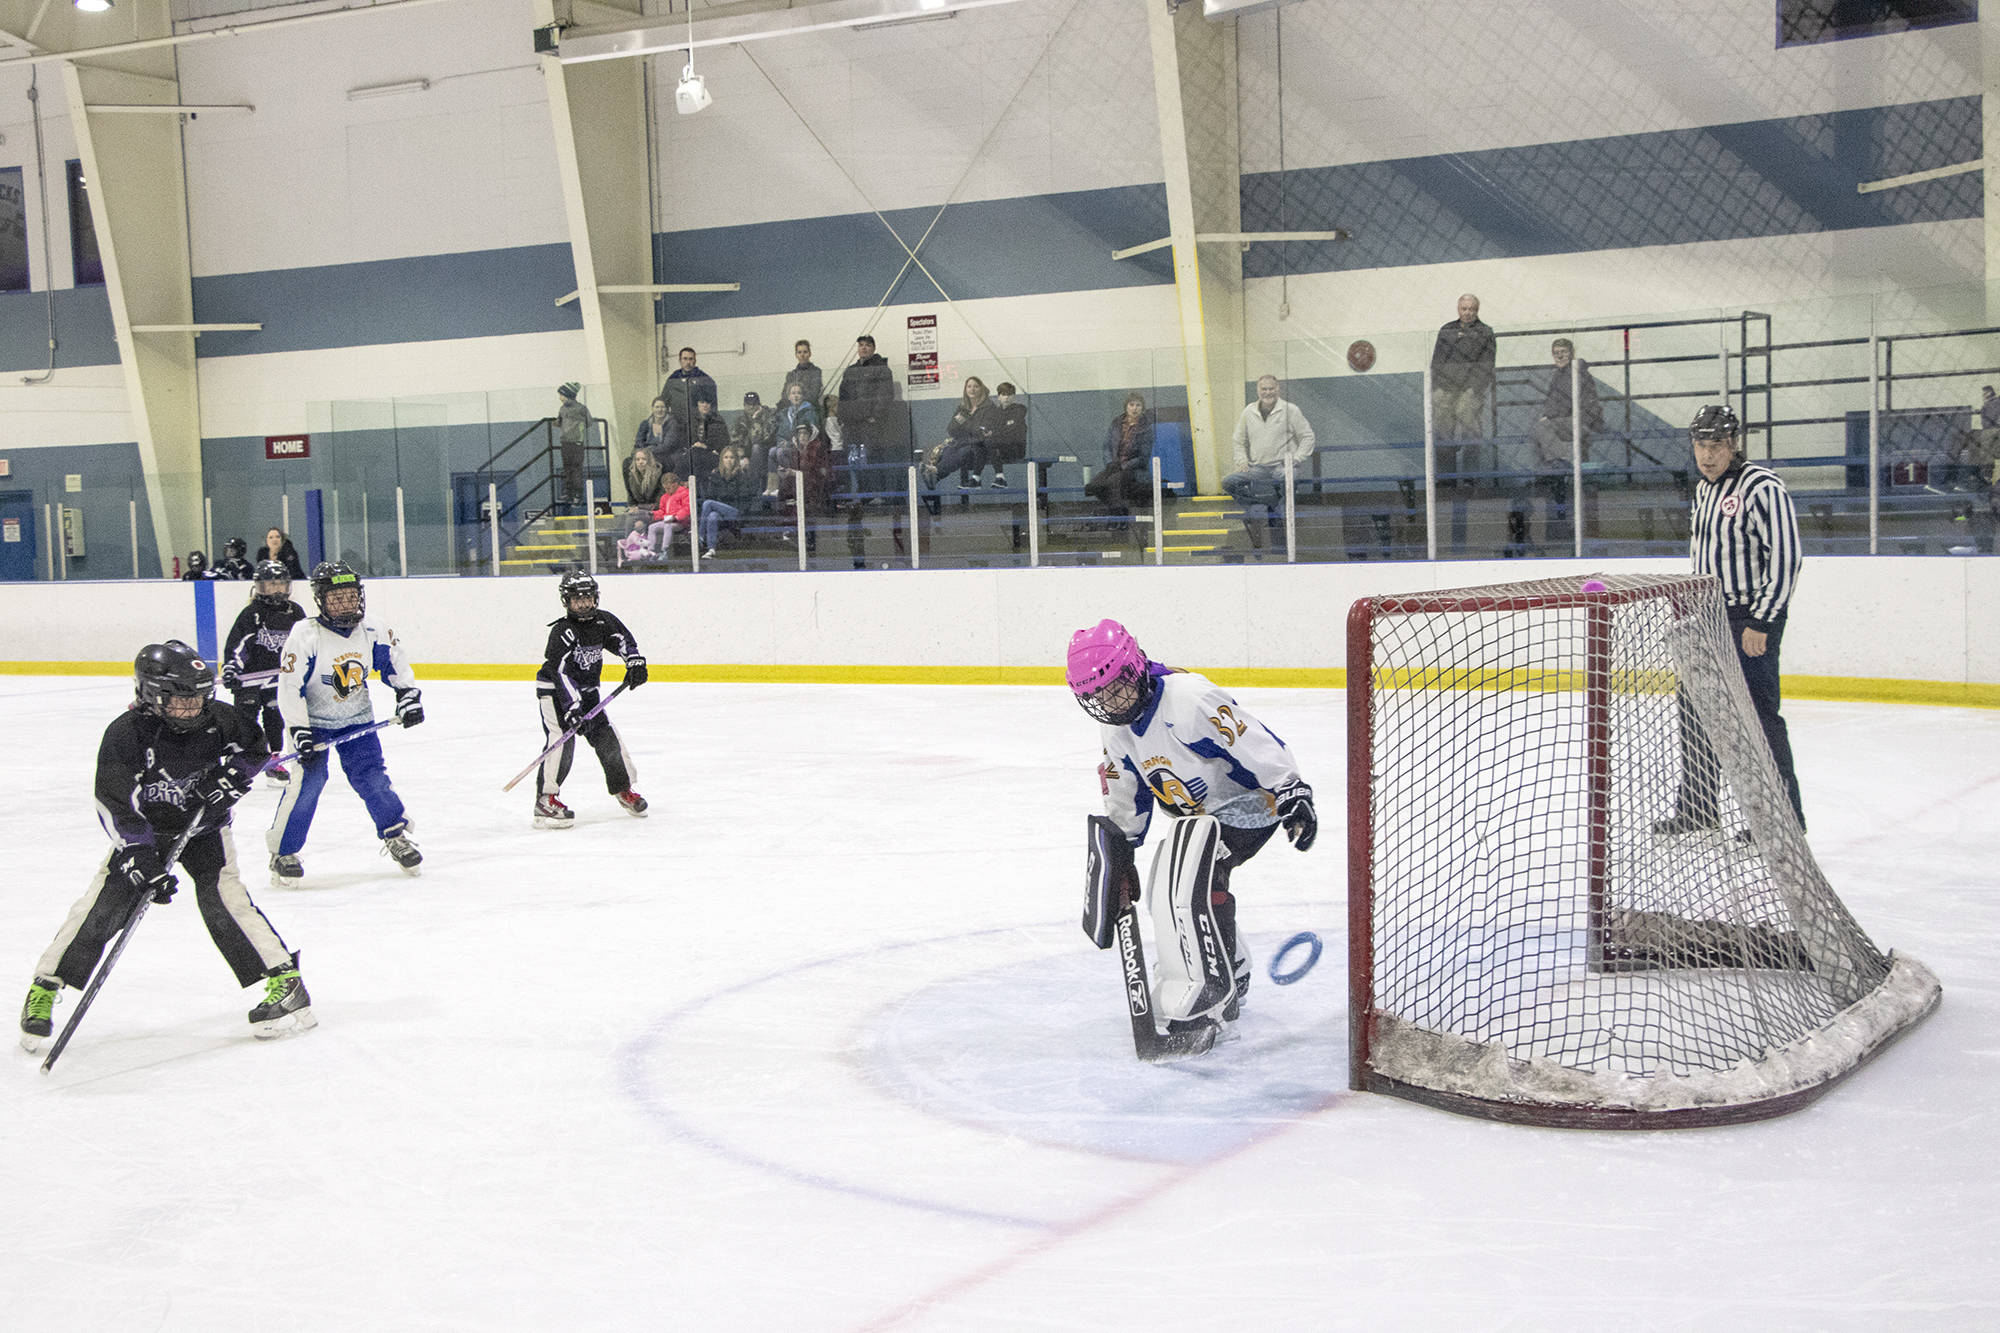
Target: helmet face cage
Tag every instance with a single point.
(577, 588)
(1120, 699)
(337, 590)
(273, 583)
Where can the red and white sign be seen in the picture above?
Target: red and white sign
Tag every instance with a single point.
(923, 338)
(10, 529)
(277, 447)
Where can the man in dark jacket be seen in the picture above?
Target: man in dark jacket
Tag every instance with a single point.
(867, 389)
(1461, 379)
(805, 374)
(684, 388)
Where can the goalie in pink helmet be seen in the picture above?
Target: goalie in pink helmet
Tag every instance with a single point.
(1176, 740)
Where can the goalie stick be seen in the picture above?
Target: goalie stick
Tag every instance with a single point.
(567, 736)
(124, 938)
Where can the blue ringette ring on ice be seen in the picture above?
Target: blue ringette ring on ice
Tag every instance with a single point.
(1308, 941)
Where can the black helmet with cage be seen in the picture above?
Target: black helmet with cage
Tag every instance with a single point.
(337, 592)
(578, 587)
(171, 681)
(273, 583)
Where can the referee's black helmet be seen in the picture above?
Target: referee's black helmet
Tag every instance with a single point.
(1715, 422)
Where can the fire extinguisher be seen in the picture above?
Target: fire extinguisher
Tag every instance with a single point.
(177, 566)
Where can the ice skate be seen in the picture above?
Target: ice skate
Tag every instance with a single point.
(286, 872)
(634, 803)
(38, 1013)
(398, 847)
(279, 775)
(287, 1007)
(551, 813)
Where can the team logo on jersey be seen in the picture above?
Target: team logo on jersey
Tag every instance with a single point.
(349, 674)
(164, 790)
(273, 639)
(588, 656)
(1730, 505)
(1183, 798)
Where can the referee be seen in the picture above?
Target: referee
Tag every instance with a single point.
(1746, 533)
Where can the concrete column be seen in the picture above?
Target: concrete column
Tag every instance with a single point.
(599, 115)
(1194, 84)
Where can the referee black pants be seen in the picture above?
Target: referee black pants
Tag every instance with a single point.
(1698, 764)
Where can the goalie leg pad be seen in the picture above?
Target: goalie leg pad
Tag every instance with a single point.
(1196, 971)
(1111, 880)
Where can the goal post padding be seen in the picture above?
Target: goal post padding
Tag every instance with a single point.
(1524, 943)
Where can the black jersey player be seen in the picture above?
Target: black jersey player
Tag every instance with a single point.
(566, 690)
(251, 652)
(175, 754)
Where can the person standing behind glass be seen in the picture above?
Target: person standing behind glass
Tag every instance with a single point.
(572, 429)
(755, 431)
(659, 432)
(805, 374)
(1268, 432)
(1554, 429)
(1461, 380)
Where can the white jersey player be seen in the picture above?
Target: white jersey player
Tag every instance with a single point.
(323, 696)
(1176, 740)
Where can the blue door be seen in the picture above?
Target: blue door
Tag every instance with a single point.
(17, 536)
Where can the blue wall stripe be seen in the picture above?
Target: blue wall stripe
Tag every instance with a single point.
(1721, 182)
(204, 620)
(84, 333)
(428, 298)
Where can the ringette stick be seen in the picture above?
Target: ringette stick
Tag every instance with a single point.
(566, 737)
(124, 938)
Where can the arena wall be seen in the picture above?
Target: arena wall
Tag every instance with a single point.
(1900, 629)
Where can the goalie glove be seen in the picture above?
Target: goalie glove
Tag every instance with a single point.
(409, 707)
(1295, 812)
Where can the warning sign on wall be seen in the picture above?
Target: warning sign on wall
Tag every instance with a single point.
(923, 349)
(10, 529)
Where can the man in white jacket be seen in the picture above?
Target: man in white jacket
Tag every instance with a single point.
(1270, 431)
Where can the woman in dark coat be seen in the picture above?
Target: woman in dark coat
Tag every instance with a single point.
(277, 546)
(1128, 454)
(964, 447)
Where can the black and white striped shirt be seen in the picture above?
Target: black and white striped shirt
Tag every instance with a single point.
(1746, 533)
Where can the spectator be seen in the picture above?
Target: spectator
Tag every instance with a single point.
(1553, 433)
(1981, 447)
(197, 570)
(733, 489)
(867, 389)
(1009, 443)
(805, 374)
(1128, 452)
(797, 407)
(685, 387)
(572, 430)
(704, 444)
(277, 546)
(811, 454)
(669, 517)
(643, 473)
(235, 564)
(659, 432)
(633, 547)
(965, 442)
(756, 431)
(1461, 379)
(1268, 432)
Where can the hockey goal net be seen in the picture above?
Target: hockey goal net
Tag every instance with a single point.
(1527, 941)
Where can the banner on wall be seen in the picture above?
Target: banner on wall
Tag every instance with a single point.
(285, 447)
(923, 340)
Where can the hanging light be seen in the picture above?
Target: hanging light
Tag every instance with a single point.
(93, 6)
(691, 94)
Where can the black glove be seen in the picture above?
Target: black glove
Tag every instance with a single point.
(232, 680)
(221, 787)
(1295, 812)
(409, 707)
(635, 672)
(572, 717)
(304, 743)
(140, 867)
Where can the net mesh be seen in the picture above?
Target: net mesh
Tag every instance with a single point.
(1585, 882)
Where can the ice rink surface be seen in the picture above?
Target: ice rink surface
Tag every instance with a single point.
(819, 1045)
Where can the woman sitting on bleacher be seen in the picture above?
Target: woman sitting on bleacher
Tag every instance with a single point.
(733, 489)
(965, 442)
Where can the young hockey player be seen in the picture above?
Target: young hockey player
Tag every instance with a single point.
(253, 650)
(566, 689)
(323, 694)
(1174, 739)
(172, 756)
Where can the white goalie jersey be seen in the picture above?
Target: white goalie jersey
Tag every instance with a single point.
(323, 673)
(1195, 751)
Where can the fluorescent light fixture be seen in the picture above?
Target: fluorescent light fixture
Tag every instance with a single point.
(898, 23)
(93, 6)
(388, 89)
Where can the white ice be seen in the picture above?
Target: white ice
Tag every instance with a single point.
(820, 1045)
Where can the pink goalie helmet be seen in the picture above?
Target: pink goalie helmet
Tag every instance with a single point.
(1108, 672)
